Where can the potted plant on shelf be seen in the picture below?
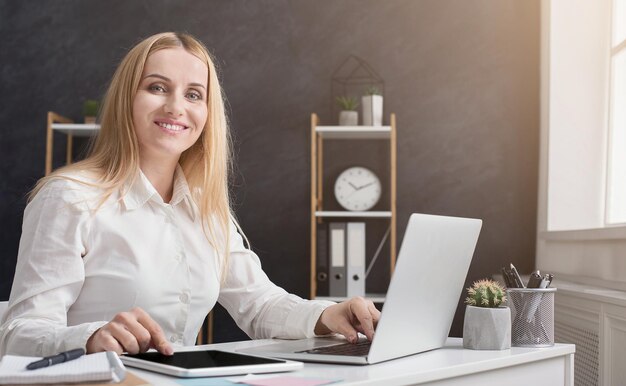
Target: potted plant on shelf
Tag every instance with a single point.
(487, 324)
(90, 110)
(372, 103)
(348, 116)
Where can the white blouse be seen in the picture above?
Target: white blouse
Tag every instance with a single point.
(77, 267)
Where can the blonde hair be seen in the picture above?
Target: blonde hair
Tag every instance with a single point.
(114, 156)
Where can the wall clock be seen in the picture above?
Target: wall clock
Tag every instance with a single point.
(357, 189)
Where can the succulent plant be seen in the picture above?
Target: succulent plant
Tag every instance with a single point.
(347, 103)
(486, 293)
(372, 90)
(90, 108)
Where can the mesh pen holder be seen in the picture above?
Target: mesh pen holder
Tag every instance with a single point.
(532, 316)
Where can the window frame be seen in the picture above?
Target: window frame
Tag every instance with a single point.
(593, 255)
(615, 48)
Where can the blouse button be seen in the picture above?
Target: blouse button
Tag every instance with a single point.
(184, 298)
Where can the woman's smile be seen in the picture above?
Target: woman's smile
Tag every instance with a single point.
(171, 126)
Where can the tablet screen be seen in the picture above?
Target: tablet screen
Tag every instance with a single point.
(204, 359)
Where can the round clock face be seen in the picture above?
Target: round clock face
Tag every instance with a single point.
(357, 188)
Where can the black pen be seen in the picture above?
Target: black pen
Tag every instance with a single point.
(54, 359)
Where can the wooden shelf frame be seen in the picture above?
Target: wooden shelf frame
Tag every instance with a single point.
(57, 122)
(318, 135)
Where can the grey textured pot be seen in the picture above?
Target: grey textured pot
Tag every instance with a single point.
(348, 118)
(487, 328)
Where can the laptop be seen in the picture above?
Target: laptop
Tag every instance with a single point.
(421, 300)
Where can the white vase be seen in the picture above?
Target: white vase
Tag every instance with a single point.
(372, 110)
(348, 118)
(487, 328)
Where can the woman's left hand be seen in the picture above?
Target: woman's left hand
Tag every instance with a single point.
(348, 318)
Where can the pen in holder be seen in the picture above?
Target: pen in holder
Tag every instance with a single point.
(532, 316)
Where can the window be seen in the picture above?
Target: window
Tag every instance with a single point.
(575, 104)
(586, 114)
(581, 228)
(616, 189)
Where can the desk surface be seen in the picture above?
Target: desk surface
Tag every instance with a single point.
(438, 365)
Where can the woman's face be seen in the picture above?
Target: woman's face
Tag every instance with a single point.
(170, 107)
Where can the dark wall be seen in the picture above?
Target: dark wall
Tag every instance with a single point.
(462, 77)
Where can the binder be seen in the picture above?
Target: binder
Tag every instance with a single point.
(355, 247)
(337, 248)
(322, 260)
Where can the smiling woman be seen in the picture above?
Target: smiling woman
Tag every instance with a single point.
(131, 248)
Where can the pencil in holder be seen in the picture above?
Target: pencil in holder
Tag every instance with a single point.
(532, 316)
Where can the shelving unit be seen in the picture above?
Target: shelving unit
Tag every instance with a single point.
(318, 215)
(66, 126)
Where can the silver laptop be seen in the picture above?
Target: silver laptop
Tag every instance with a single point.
(421, 300)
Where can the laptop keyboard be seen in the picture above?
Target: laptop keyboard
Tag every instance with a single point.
(359, 349)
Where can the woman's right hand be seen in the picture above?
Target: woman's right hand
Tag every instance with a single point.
(132, 332)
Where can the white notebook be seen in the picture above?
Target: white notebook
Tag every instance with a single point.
(103, 366)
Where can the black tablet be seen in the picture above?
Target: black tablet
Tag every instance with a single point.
(207, 363)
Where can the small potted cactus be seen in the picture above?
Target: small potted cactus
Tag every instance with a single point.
(348, 116)
(487, 324)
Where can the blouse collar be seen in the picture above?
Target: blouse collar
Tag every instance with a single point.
(141, 191)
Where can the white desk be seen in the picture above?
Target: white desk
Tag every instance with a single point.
(451, 365)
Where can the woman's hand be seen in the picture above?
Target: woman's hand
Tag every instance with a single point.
(133, 332)
(348, 318)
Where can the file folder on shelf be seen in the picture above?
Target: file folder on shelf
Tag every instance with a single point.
(322, 260)
(355, 247)
(337, 248)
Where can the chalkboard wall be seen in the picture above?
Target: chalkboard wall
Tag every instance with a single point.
(462, 77)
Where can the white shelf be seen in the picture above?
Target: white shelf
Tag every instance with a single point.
(376, 298)
(77, 129)
(382, 214)
(354, 132)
